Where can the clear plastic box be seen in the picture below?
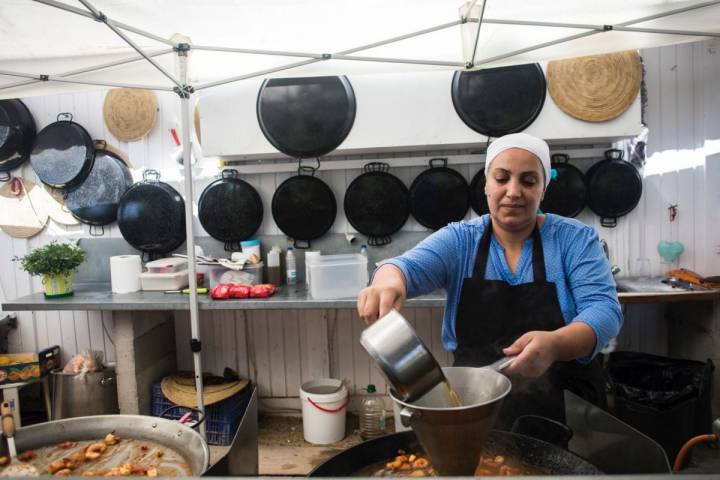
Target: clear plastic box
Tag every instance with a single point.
(249, 275)
(337, 276)
(164, 281)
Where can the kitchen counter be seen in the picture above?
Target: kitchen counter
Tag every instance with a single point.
(98, 297)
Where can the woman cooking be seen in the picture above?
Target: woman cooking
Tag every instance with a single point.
(518, 283)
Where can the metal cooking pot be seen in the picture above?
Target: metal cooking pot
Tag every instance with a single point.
(170, 434)
(402, 357)
(94, 393)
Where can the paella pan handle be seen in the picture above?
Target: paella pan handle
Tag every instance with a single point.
(560, 158)
(229, 173)
(608, 222)
(437, 160)
(232, 246)
(151, 175)
(379, 241)
(183, 418)
(613, 154)
(97, 230)
(376, 167)
(308, 169)
(67, 115)
(4, 176)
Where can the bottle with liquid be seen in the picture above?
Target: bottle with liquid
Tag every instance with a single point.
(273, 266)
(372, 415)
(290, 268)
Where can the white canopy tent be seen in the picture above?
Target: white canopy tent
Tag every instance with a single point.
(54, 46)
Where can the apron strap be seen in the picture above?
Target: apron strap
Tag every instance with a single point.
(483, 250)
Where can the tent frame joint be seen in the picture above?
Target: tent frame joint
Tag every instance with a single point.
(195, 345)
(469, 65)
(607, 28)
(185, 91)
(327, 56)
(182, 48)
(44, 78)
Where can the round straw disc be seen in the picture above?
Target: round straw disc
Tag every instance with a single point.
(130, 113)
(595, 88)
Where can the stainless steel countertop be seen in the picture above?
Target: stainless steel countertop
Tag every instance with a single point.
(99, 297)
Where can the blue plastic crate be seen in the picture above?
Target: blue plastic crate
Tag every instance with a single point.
(222, 418)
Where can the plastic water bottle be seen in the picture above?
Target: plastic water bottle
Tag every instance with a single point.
(364, 253)
(290, 269)
(372, 415)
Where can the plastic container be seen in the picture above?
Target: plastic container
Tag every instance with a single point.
(309, 255)
(167, 265)
(249, 275)
(372, 415)
(324, 407)
(164, 281)
(251, 247)
(290, 267)
(338, 276)
(223, 417)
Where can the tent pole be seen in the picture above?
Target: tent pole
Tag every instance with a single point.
(81, 12)
(99, 16)
(668, 32)
(256, 74)
(402, 37)
(359, 58)
(195, 344)
(668, 13)
(477, 34)
(70, 73)
(253, 51)
(48, 78)
(539, 46)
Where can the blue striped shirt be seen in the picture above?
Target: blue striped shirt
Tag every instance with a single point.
(574, 262)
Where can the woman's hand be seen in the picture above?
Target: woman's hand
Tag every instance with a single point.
(386, 292)
(538, 350)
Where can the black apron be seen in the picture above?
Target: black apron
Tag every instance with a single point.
(492, 314)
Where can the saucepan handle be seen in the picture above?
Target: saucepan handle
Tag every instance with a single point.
(407, 414)
(502, 363)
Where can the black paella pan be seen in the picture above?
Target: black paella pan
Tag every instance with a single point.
(439, 195)
(230, 209)
(151, 216)
(63, 153)
(566, 194)
(17, 134)
(377, 203)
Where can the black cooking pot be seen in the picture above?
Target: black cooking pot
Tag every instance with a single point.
(151, 215)
(529, 451)
(304, 207)
(306, 117)
(17, 134)
(63, 153)
(230, 209)
(439, 195)
(478, 199)
(95, 201)
(377, 204)
(566, 194)
(498, 101)
(614, 187)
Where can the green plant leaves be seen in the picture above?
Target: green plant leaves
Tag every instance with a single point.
(52, 259)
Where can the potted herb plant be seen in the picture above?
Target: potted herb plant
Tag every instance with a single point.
(56, 263)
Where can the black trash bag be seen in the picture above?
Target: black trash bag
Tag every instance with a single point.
(657, 381)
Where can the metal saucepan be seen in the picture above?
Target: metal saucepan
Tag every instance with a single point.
(359, 459)
(170, 434)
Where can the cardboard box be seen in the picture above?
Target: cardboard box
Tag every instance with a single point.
(21, 367)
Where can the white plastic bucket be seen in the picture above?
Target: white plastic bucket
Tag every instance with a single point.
(324, 405)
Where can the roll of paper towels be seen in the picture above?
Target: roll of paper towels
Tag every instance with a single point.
(125, 273)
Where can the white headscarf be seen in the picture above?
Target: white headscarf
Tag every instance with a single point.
(534, 145)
